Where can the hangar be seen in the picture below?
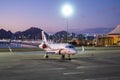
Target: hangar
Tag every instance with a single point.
(110, 39)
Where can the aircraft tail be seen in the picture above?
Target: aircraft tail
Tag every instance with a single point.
(44, 37)
(44, 43)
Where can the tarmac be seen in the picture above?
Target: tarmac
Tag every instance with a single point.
(89, 65)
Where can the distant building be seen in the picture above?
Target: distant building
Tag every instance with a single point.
(110, 39)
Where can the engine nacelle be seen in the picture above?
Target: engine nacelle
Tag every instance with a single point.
(43, 46)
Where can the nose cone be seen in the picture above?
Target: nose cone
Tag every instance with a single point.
(73, 51)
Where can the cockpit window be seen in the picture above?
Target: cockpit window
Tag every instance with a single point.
(70, 46)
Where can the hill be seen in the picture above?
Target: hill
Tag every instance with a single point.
(5, 34)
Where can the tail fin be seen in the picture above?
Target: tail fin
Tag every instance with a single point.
(44, 44)
(44, 37)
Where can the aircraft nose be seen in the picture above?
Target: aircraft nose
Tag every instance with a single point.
(74, 51)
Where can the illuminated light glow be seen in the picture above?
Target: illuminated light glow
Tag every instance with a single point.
(67, 10)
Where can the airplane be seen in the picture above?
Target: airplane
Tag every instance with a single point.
(58, 48)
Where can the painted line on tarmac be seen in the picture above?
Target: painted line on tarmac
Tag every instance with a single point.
(105, 78)
(70, 73)
(81, 67)
(55, 69)
(96, 66)
(81, 62)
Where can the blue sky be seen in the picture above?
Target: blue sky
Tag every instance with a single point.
(19, 15)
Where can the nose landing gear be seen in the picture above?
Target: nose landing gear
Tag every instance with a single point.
(69, 58)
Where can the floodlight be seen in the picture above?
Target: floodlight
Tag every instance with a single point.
(67, 10)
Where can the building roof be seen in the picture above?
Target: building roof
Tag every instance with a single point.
(115, 31)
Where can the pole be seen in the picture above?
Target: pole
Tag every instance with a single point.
(67, 30)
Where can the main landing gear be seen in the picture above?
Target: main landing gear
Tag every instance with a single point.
(63, 57)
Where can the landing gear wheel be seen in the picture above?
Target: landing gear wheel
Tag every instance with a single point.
(69, 57)
(46, 56)
(63, 57)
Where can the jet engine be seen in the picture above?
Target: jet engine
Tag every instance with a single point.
(43, 46)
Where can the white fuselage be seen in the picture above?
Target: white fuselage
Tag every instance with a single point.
(59, 48)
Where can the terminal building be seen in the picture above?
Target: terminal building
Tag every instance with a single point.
(110, 39)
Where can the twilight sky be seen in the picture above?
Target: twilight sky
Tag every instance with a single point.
(19, 15)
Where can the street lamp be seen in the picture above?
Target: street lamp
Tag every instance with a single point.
(67, 11)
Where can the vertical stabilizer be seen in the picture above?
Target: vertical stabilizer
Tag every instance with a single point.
(44, 37)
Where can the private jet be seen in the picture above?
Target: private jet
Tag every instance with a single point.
(57, 48)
